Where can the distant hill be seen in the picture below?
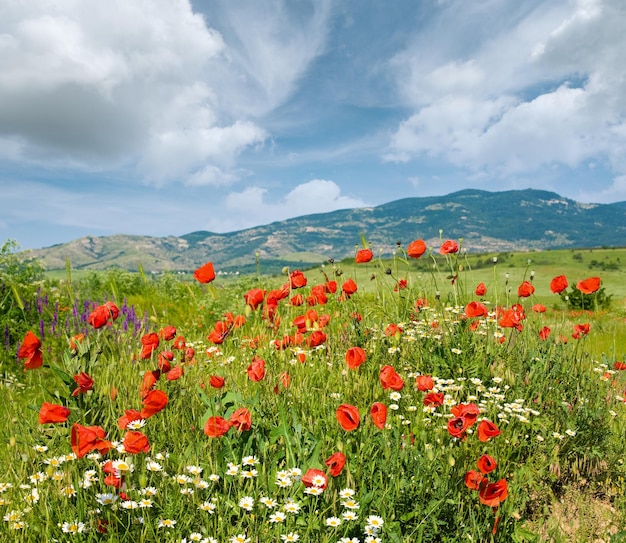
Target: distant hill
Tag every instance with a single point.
(487, 221)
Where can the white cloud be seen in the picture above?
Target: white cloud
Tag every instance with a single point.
(545, 87)
(148, 83)
(254, 206)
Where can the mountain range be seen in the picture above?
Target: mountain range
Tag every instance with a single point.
(516, 220)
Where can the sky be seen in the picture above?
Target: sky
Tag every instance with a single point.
(165, 117)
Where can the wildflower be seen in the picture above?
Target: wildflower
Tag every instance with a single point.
(315, 477)
(558, 284)
(241, 419)
(75, 527)
(290, 537)
(389, 379)
(31, 351)
(205, 273)
(487, 430)
(277, 517)
(208, 507)
(493, 494)
(270, 503)
(241, 538)
(131, 505)
(106, 499)
(449, 247)
(355, 356)
(589, 286)
(349, 515)
(346, 493)
(291, 507)
(195, 536)
(416, 248)
(216, 426)
(166, 523)
(333, 522)
(103, 314)
(336, 463)
(84, 439)
(153, 466)
(372, 539)
(570, 433)
(375, 522)
(249, 461)
(364, 255)
(247, 503)
(349, 503)
(155, 401)
(53, 413)
(348, 417)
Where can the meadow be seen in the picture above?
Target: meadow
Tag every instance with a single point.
(434, 396)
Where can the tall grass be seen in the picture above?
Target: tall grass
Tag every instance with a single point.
(557, 402)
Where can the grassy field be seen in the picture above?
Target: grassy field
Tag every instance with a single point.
(289, 408)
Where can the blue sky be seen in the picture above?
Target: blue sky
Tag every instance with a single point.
(161, 117)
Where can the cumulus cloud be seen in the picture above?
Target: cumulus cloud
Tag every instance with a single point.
(254, 205)
(147, 84)
(535, 93)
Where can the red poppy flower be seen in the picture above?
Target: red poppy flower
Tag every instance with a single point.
(558, 284)
(219, 333)
(216, 381)
(179, 344)
(400, 285)
(163, 361)
(589, 286)
(539, 308)
(297, 279)
(392, 330)
(241, 419)
(85, 439)
(349, 287)
(434, 398)
(297, 300)
(424, 382)
(216, 426)
(316, 338)
(469, 411)
(129, 416)
(254, 297)
(364, 255)
(355, 356)
(389, 379)
(256, 370)
(175, 373)
(511, 319)
(330, 287)
(84, 384)
(316, 478)
(619, 366)
(416, 248)
(544, 333)
(525, 290)
(155, 401)
(76, 340)
(103, 314)
(378, 412)
(493, 494)
(149, 380)
(486, 464)
(167, 333)
(449, 247)
(149, 342)
(136, 442)
(458, 426)
(51, 413)
(475, 480)
(481, 289)
(348, 417)
(581, 330)
(31, 351)
(476, 309)
(336, 463)
(205, 273)
(487, 430)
